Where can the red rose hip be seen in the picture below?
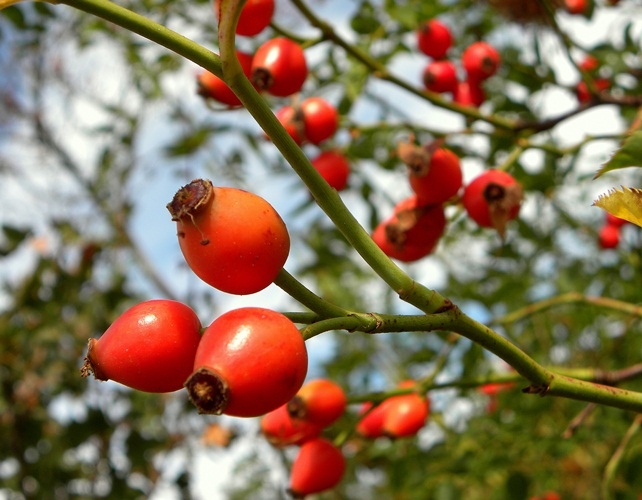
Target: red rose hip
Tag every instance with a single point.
(232, 239)
(333, 167)
(480, 60)
(255, 16)
(249, 362)
(320, 401)
(434, 38)
(279, 67)
(439, 179)
(150, 347)
(319, 466)
(281, 429)
(492, 199)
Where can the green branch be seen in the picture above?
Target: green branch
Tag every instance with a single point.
(326, 197)
(441, 313)
(564, 299)
(294, 288)
(380, 71)
(616, 458)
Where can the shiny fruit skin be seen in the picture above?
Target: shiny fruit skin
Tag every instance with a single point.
(279, 67)
(412, 232)
(312, 121)
(249, 362)
(442, 181)
(232, 239)
(440, 76)
(469, 93)
(280, 429)
(211, 86)
(320, 401)
(480, 60)
(320, 119)
(150, 347)
(576, 7)
(475, 197)
(292, 122)
(255, 16)
(319, 466)
(371, 424)
(405, 415)
(333, 167)
(434, 38)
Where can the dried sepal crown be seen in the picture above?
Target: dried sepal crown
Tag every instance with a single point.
(190, 199)
(416, 157)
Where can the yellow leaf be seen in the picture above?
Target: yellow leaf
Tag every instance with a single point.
(625, 204)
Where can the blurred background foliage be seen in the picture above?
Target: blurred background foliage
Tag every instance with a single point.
(98, 128)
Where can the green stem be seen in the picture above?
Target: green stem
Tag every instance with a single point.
(567, 298)
(505, 349)
(149, 29)
(511, 158)
(616, 458)
(290, 285)
(588, 391)
(372, 323)
(426, 300)
(302, 318)
(326, 197)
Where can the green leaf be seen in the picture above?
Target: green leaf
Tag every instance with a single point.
(629, 155)
(189, 143)
(13, 237)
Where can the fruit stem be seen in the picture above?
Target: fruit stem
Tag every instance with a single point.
(293, 287)
(326, 197)
(378, 69)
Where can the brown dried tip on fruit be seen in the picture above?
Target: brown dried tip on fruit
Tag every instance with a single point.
(90, 365)
(502, 203)
(527, 11)
(189, 199)
(415, 157)
(207, 391)
(405, 220)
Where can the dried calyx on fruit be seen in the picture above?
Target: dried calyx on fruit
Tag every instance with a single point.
(492, 199)
(413, 230)
(234, 260)
(434, 172)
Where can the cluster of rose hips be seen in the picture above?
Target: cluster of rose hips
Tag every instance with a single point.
(590, 65)
(479, 61)
(319, 464)
(252, 361)
(396, 417)
(248, 361)
(417, 223)
(279, 68)
(609, 233)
